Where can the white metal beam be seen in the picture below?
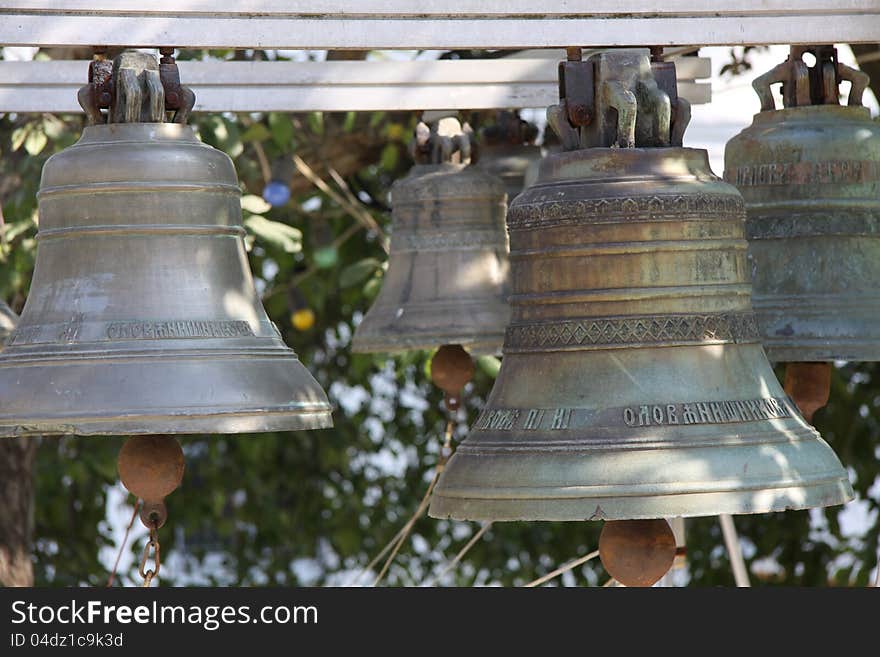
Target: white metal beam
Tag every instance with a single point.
(51, 86)
(434, 24)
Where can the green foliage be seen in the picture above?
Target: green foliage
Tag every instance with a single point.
(314, 507)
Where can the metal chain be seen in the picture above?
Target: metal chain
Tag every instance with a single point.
(153, 543)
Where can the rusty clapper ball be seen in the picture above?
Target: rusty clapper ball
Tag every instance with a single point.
(637, 552)
(151, 467)
(451, 368)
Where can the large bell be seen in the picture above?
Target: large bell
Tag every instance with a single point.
(633, 383)
(142, 315)
(810, 176)
(447, 273)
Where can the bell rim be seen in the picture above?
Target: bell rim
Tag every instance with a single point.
(196, 394)
(262, 421)
(830, 491)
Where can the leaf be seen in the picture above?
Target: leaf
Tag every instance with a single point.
(489, 364)
(316, 122)
(287, 238)
(350, 119)
(254, 204)
(19, 135)
(390, 157)
(357, 272)
(36, 141)
(256, 132)
(53, 126)
(282, 129)
(326, 257)
(372, 287)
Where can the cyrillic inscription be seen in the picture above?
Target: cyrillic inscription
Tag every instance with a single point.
(643, 415)
(805, 173)
(561, 418)
(500, 420)
(178, 329)
(705, 412)
(533, 419)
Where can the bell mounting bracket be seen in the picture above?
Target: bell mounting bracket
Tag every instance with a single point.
(803, 84)
(509, 128)
(620, 98)
(132, 88)
(443, 140)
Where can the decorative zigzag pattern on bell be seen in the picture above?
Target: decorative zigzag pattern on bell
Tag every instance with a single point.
(633, 384)
(142, 316)
(447, 277)
(810, 176)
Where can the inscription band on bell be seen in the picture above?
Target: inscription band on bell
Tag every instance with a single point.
(641, 415)
(78, 331)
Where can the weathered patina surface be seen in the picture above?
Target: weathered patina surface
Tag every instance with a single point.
(142, 315)
(633, 384)
(447, 278)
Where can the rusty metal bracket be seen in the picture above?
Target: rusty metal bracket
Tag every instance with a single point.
(98, 92)
(170, 77)
(120, 85)
(577, 89)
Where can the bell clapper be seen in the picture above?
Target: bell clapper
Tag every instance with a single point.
(808, 385)
(151, 468)
(637, 552)
(451, 369)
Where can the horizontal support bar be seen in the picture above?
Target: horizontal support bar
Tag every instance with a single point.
(432, 24)
(51, 86)
(438, 8)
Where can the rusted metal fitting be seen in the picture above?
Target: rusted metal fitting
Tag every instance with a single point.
(97, 95)
(451, 369)
(151, 467)
(170, 77)
(637, 552)
(809, 386)
(133, 88)
(153, 514)
(576, 90)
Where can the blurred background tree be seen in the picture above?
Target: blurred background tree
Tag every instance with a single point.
(312, 508)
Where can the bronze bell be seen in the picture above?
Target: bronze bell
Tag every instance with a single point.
(447, 273)
(507, 150)
(142, 315)
(810, 177)
(633, 384)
